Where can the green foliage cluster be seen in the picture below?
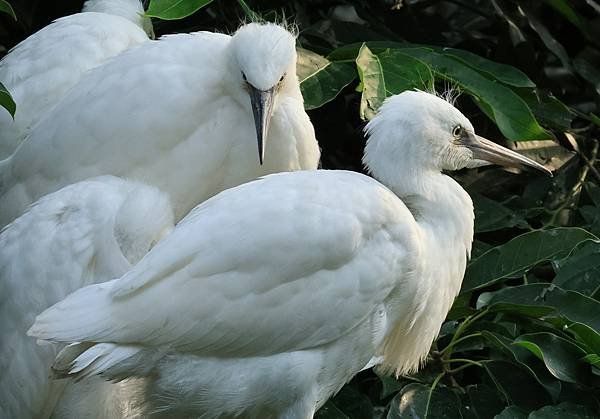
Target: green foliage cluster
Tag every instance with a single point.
(523, 337)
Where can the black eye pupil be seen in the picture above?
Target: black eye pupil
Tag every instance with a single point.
(244, 77)
(281, 79)
(456, 131)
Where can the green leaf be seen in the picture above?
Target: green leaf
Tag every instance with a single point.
(320, 79)
(546, 35)
(390, 385)
(174, 9)
(570, 305)
(353, 403)
(372, 83)
(565, 9)
(483, 401)
(580, 271)
(586, 336)
(491, 215)
(7, 8)
(504, 73)
(560, 356)
(592, 359)
(522, 253)
(564, 411)
(402, 72)
(330, 411)
(517, 386)
(423, 402)
(512, 115)
(547, 109)
(6, 101)
(525, 360)
(512, 412)
(250, 14)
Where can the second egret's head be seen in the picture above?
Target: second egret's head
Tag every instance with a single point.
(132, 10)
(265, 55)
(422, 131)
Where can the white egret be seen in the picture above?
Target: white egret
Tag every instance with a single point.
(267, 298)
(183, 113)
(41, 69)
(85, 233)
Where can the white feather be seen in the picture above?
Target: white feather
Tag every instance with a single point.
(66, 240)
(270, 296)
(174, 113)
(40, 70)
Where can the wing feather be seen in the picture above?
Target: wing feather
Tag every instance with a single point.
(284, 263)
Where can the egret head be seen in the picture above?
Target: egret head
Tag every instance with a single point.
(265, 57)
(425, 132)
(132, 10)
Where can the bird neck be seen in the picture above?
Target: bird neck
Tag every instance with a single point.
(444, 215)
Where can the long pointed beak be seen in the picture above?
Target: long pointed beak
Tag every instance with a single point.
(262, 108)
(484, 149)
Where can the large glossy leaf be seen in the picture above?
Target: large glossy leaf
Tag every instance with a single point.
(512, 412)
(174, 9)
(561, 357)
(547, 109)
(564, 411)
(420, 401)
(472, 73)
(509, 111)
(525, 360)
(586, 336)
(321, 80)
(403, 72)
(491, 215)
(580, 271)
(504, 73)
(522, 253)
(570, 305)
(330, 411)
(517, 386)
(6, 101)
(546, 35)
(483, 401)
(7, 8)
(372, 83)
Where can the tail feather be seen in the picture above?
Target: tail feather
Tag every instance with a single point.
(82, 316)
(82, 360)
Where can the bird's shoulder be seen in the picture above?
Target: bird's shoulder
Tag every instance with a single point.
(67, 226)
(287, 242)
(68, 43)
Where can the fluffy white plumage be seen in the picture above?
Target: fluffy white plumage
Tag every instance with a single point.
(270, 296)
(199, 138)
(85, 233)
(41, 69)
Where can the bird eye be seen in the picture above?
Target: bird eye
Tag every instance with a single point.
(282, 77)
(244, 76)
(456, 131)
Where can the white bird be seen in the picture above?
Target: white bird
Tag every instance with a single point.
(89, 232)
(40, 70)
(182, 113)
(267, 298)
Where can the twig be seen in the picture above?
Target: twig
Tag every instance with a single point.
(576, 188)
